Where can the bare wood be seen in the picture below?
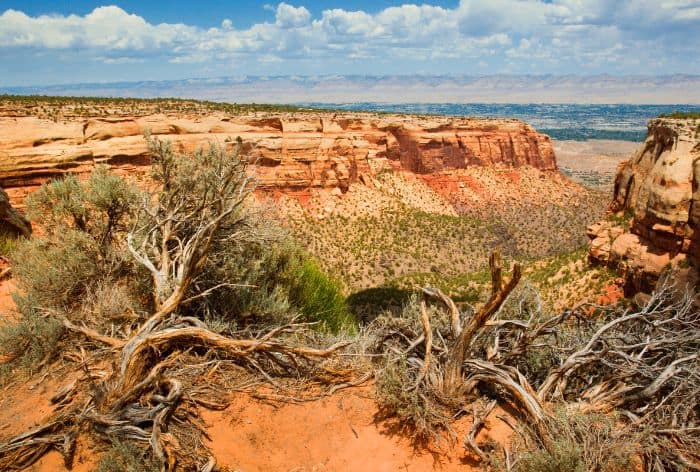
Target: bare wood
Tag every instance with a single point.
(428, 333)
(458, 350)
(92, 334)
(194, 336)
(478, 421)
(455, 318)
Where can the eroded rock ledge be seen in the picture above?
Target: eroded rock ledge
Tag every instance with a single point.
(293, 150)
(655, 212)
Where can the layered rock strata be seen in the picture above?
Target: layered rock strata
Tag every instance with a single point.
(655, 218)
(293, 150)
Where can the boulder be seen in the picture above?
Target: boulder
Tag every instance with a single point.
(11, 221)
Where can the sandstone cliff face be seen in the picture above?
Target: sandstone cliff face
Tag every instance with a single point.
(293, 150)
(659, 188)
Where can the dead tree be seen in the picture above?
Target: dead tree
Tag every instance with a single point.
(643, 364)
(199, 201)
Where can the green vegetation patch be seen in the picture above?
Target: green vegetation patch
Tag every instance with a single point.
(681, 115)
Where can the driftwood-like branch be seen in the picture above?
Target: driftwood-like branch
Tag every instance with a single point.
(428, 337)
(478, 422)
(454, 378)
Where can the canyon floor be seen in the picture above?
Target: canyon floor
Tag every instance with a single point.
(593, 163)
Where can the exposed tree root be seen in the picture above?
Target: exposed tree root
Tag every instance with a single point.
(141, 403)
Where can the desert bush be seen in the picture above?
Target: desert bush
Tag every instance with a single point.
(8, 242)
(55, 272)
(318, 296)
(79, 267)
(421, 413)
(276, 282)
(64, 271)
(582, 442)
(199, 250)
(29, 341)
(124, 456)
(100, 207)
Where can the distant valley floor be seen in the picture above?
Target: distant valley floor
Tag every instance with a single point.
(593, 163)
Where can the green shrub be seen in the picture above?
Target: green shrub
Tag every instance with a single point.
(99, 207)
(54, 272)
(65, 271)
(319, 297)
(8, 242)
(28, 341)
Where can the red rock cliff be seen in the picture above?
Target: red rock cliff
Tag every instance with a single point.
(293, 150)
(659, 188)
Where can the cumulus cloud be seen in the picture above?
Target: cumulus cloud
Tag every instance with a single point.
(526, 35)
(288, 16)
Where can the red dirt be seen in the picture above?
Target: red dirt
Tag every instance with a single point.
(338, 433)
(27, 405)
(610, 294)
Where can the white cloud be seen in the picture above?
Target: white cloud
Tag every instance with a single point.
(288, 16)
(540, 36)
(107, 28)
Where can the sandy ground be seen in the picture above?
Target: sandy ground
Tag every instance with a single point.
(340, 433)
(343, 432)
(593, 163)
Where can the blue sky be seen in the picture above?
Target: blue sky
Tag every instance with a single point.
(49, 42)
(204, 14)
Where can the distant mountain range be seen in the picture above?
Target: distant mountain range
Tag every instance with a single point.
(671, 89)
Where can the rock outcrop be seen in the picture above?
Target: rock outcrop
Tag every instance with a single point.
(11, 221)
(293, 150)
(655, 212)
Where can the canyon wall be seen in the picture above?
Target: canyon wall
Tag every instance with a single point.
(655, 212)
(293, 150)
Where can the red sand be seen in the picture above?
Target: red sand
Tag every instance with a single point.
(338, 433)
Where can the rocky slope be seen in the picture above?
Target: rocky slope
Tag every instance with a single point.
(655, 217)
(293, 150)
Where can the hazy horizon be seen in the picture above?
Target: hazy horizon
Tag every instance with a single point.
(387, 88)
